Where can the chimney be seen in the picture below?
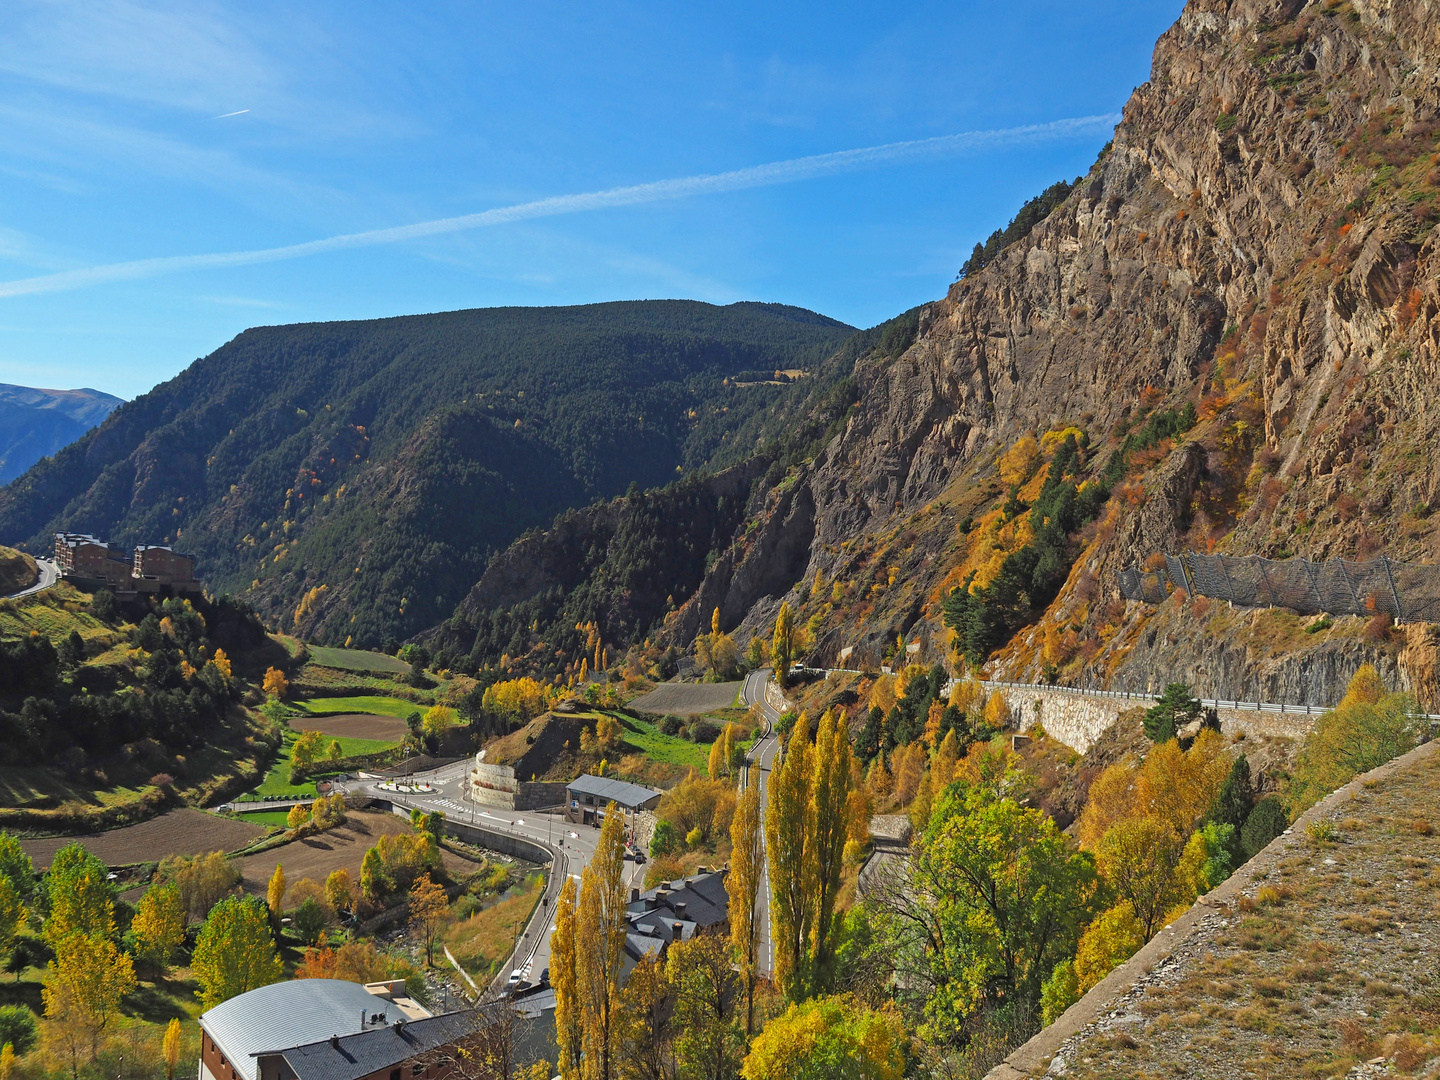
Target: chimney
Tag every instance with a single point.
(634, 895)
(680, 909)
(335, 1041)
(677, 929)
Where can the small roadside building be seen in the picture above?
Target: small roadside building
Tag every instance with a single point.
(587, 796)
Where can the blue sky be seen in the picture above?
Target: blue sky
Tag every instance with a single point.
(115, 149)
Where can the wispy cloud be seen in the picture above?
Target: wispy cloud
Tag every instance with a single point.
(227, 115)
(779, 172)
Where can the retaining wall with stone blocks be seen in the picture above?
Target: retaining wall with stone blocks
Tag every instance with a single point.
(1078, 719)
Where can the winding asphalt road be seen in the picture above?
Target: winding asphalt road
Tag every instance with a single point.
(572, 846)
(49, 574)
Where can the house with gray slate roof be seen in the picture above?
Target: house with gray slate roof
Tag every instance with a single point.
(325, 1029)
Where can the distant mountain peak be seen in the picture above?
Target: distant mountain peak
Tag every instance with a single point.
(36, 422)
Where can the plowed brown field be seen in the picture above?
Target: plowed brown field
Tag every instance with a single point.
(179, 832)
(316, 857)
(354, 726)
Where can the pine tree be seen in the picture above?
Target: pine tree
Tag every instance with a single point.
(792, 889)
(562, 979)
(747, 868)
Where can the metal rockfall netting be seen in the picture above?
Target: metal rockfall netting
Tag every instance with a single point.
(1407, 591)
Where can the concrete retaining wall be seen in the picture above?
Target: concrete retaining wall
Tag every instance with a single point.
(491, 839)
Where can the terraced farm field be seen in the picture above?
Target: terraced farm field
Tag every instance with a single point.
(373, 704)
(316, 857)
(354, 726)
(180, 832)
(357, 660)
(688, 699)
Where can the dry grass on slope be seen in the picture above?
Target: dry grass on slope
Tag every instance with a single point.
(1322, 963)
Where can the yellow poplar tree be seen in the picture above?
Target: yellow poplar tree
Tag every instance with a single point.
(275, 683)
(829, 825)
(909, 772)
(562, 980)
(428, 908)
(946, 760)
(275, 891)
(236, 951)
(159, 925)
(716, 765)
(782, 647)
(7, 1061)
(747, 867)
(600, 948)
(12, 914)
(934, 720)
(85, 983)
(170, 1048)
(297, 816)
(792, 888)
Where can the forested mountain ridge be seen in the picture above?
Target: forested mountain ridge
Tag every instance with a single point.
(356, 476)
(623, 566)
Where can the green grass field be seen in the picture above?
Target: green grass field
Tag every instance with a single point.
(656, 745)
(273, 818)
(277, 781)
(357, 660)
(374, 704)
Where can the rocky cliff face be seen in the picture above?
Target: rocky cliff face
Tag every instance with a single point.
(1258, 242)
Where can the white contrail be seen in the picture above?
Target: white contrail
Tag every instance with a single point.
(779, 172)
(237, 112)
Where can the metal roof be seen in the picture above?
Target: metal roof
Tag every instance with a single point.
(287, 1014)
(628, 796)
(354, 1056)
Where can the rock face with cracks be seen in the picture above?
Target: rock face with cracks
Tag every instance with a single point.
(1257, 241)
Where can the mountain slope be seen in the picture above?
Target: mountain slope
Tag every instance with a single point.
(624, 565)
(35, 423)
(1229, 331)
(1257, 244)
(356, 476)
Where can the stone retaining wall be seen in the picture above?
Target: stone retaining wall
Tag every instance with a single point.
(1078, 719)
(496, 786)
